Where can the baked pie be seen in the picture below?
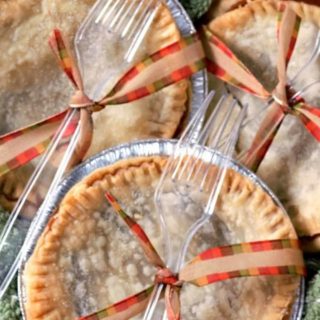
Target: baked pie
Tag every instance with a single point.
(290, 167)
(32, 86)
(86, 258)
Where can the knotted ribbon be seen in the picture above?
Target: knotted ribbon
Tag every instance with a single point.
(169, 65)
(271, 257)
(224, 64)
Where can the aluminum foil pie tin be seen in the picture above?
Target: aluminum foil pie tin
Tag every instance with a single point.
(154, 147)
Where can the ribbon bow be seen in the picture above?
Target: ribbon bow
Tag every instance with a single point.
(224, 64)
(272, 257)
(171, 64)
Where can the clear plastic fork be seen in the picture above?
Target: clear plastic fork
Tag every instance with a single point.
(313, 57)
(127, 20)
(188, 171)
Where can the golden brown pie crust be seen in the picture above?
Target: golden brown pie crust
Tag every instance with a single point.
(44, 289)
(11, 186)
(238, 18)
(219, 7)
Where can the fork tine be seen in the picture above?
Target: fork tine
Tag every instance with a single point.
(122, 19)
(144, 13)
(206, 130)
(304, 90)
(119, 14)
(92, 15)
(223, 162)
(221, 128)
(140, 32)
(129, 20)
(111, 11)
(105, 10)
(186, 137)
(204, 136)
(224, 149)
(132, 19)
(188, 134)
(315, 53)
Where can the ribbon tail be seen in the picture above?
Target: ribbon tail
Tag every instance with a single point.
(172, 301)
(225, 65)
(63, 54)
(263, 138)
(125, 309)
(149, 250)
(20, 147)
(310, 117)
(287, 32)
(84, 139)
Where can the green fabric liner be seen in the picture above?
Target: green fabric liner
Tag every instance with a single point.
(312, 301)
(196, 8)
(9, 304)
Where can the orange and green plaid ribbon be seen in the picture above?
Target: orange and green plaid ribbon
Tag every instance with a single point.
(270, 257)
(181, 59)
(8, 141)
(224, 64)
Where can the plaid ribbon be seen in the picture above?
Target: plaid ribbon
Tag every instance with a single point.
(8, 141)
(270, 257)
(167, 66)
(224, 64)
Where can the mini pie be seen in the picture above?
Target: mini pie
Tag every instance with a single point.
(32, 86)
(86, 259)
(290, 167)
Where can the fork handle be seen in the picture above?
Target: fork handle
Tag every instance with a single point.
(176, 264)
(36, 195)
(153, 302)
